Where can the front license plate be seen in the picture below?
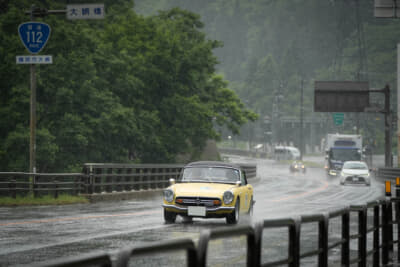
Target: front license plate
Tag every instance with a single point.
(355, 179)
(196, 211)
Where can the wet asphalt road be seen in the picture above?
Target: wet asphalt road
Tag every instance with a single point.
(35, 234)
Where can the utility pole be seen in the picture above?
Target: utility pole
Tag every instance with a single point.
(389, 9)
(301, 123)
(388, 128)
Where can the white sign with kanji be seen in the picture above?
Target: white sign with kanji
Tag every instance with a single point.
(85, 11)
(34, 59)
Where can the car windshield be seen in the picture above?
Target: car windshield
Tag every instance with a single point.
(355, 166)
(345, 154)
(210, 174)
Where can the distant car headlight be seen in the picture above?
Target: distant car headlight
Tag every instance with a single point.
(228, 197)
(168, 195)
(343, 174)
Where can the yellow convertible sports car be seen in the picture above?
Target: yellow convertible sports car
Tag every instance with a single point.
(209, 189)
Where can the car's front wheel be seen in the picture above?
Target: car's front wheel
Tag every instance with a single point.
(169, 217)
(233, 217)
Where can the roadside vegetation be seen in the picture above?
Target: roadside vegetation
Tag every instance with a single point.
(128, 88)
(44, 200)
(272, 49)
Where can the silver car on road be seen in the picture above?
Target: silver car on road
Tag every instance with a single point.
(355, 172)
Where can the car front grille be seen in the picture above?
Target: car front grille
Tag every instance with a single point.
(355, 179)
(198, 201)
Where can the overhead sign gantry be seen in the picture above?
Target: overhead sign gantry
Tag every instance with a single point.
(352, 96)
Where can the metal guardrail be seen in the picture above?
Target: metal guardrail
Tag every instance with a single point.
(385, 174)
(99, 259)
(241, 152)
(128, 177)
(21, 183)
(381, 229)
(97, 178)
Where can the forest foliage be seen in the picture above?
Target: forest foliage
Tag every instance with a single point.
(271, 46)
(158, 78)
(129, 88)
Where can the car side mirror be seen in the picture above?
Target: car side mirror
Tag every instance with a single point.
(172, 181)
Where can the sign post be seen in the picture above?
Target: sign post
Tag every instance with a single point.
(34, 36)
(348, 96)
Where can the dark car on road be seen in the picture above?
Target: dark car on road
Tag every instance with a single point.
(297, 166)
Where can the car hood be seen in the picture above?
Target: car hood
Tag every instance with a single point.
(355, 172)
(201, 189)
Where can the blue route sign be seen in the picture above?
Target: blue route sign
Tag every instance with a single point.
(34, 35)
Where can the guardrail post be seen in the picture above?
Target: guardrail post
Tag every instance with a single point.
(153, 178)
(110, 187)
(118, 186)
(202, 248)
(55, 188)
(135, 179)
(385, 241)
(397, 210)
(89, 181)
(128, 177)
(376, 253)
(35, 182)
(145, 179)
(323, 241)
(76, 186)
(12, 186)
(98, 181)
(362, 240)
(346, 239)
(294, 242)
(390, 226)
(251, 250)
(258, 232)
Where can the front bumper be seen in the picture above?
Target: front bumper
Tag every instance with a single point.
(354, 179)
(181, 209)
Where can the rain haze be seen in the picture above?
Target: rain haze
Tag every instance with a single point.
(104, 104)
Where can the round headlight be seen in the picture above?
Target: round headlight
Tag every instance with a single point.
(168, 195)
(228, 197)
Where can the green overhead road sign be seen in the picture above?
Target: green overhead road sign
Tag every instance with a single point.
(338, 118)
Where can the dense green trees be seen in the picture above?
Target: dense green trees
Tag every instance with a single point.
(125, 89)
(270, 46)
(146, 85)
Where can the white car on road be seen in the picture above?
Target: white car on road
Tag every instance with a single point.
(355, 172)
